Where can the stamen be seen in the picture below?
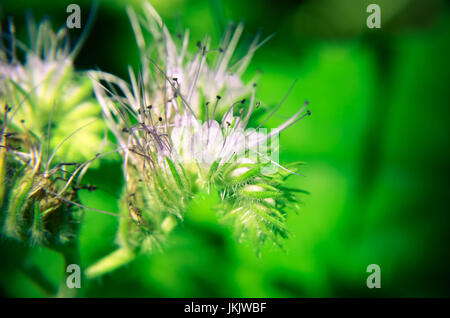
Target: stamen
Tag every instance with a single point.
(291, 121)
(231, 109)
(65, 139)
(215, 106)
(207, 113)
(186, 104)
(80, 205)
(279, 105)
(197, 73)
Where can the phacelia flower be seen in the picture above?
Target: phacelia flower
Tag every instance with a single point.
(49, 112)
(183, 127)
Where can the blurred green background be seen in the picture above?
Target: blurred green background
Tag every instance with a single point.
(376, 148)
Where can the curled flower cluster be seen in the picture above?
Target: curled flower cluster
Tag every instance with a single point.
(48, 108)
(36, 207)
(182, 126)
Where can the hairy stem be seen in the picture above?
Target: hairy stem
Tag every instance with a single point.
(122, 255)
(110, 262)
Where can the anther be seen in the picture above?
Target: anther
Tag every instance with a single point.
(160, 119)
(218, 97)
(149, 107)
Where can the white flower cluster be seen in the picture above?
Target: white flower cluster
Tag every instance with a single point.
(182, 126)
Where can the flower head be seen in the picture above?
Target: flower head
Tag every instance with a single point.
(182, 126)
(48, 110)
